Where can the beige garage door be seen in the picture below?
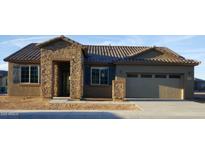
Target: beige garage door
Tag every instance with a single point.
(167, 86)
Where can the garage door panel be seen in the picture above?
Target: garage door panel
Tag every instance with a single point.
(138, 87)
(170, 92)
(154, 88)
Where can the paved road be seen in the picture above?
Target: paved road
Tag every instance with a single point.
(149, 109)
(58, 115)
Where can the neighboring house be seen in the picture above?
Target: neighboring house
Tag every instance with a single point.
(199, 85)
(61, 67)
(3, 82)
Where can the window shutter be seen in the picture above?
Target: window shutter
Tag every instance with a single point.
(87, 75)
(111, 74)
(16, 74)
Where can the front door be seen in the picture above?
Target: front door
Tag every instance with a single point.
(64, 80)
(64, 83)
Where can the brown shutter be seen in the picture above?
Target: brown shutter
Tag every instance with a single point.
(16, 74)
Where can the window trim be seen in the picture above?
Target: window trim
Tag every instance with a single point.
(133, 75)
(99, 68)
(179, 76)
(30, 74)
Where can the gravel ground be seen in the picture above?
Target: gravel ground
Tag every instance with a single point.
(36, 103)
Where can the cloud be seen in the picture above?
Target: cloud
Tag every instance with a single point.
(164, 40)
(3, 66)
(134, 40)
(24, 41)
(105, 43)
(194, 53)
(116, 40)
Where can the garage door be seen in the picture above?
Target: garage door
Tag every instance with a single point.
(167, 86)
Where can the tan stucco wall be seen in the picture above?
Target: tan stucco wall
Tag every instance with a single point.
(188, 71)
(98, 91)
(62, 51)
(17, 89)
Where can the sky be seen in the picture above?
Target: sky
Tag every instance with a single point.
(189, 46)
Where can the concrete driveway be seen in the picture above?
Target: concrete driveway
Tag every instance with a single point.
(149, 110)
(169, 109)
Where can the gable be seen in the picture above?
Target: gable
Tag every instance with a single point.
(150, 54)
(57, 45)
(56, 39)
(155, 54)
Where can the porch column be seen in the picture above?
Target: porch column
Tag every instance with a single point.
(56, 80)
(76, 76)
(118, 90)
(46, 77)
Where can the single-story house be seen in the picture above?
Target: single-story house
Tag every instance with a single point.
(3, 81)
(199, 85)
(62, 67)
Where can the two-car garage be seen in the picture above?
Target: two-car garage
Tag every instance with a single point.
(154, 85)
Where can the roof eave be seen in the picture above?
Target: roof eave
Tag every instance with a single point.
(24, 61)
(155, 63)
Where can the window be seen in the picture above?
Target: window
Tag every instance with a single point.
(25, 74)
(34, 74)
(174, 76)
(160, 76)
(16, 73)
(99, 76)
(95, 76)
(132, 75)
(29, 74)
(146, 75)
(104, 76)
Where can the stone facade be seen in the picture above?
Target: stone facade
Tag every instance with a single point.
(56, 79)
(61, 52)
(118, 89)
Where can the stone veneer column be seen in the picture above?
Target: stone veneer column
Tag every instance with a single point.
(56, 79)
(72, 54)
(76, 81)
(118, 90)
(46, 75)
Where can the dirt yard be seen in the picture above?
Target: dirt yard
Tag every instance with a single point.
(36, 103)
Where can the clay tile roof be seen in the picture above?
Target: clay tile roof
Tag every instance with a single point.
(109, 54)
(30, 53)
(103, 54)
